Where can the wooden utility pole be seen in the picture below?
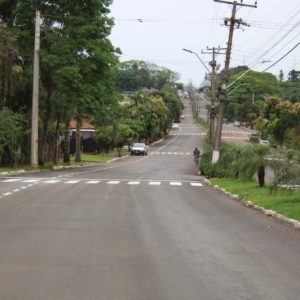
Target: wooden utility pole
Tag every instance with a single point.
(233, 22)
(35, 94)
(214, 51)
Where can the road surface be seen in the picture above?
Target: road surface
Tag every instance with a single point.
(140, 228)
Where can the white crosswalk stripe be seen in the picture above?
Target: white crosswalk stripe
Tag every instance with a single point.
(51, 181)
(30, 180)
(170, 153)
(103, 181)
(196, 184)
(10, 180)
(134, 182)
(154, 183)
(176, 183)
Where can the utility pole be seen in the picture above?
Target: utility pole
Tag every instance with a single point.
(223, 93)
(214, 51)
(35, 94)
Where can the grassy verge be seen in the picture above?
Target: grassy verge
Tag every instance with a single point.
(85, 158)
(201, 122)
(284, 202)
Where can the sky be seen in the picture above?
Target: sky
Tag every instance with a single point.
(156, 31)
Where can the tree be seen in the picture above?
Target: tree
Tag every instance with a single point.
(76, 59)
(294, 75)
(252, 160)
(11, 134)
(282, 115)
(281, 76)
(248, 92)
(8, 50)
(134, 75)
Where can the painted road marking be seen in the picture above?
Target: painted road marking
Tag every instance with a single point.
(154, 183)
(175, 183)
(113, 182)
(52, 181)
(93, 182)
(30, 180)
(10, 180)
(72, 181)
(134, 182)
(196, 184)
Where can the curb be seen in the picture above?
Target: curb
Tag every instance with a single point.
(250, 204)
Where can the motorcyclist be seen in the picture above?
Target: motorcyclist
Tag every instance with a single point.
(196, 154)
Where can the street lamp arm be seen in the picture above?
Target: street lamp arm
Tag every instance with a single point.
(190, 51)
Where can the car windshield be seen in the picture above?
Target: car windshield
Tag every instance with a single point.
(138, 145)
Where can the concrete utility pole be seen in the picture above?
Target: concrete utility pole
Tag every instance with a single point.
(233, 21)
(214, 51)
(35, 94)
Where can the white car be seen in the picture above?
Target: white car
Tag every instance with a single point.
(175, 126)
(264, 142)
(139, 149)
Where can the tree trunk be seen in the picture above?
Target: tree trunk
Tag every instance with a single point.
(78, 142)
(55, 152)
(67, 144)
(45, 130)
(261, 176)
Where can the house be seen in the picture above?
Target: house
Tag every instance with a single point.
(87, 130)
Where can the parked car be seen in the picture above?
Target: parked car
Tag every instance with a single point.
(236, 124)
(254, 137)
(139, 149)
(264, 142)
(175, 126)
(177, 120)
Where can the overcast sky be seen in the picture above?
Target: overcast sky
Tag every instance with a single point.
(157, 30)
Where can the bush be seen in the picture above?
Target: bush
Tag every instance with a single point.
(224, 167)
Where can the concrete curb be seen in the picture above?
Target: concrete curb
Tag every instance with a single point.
(117, 158)
(34, 171)
(249, 204)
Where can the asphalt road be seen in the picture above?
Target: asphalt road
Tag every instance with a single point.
(140, 228)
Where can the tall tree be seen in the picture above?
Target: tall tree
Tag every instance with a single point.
(76, 57)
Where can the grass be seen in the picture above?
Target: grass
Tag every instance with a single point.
(284, 202)
(85, 158)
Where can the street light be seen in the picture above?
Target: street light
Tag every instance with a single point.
(190, 51)
(211, 111)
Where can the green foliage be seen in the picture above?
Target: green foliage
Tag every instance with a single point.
(282, 120)
(224, 166)
(11, 134)
(250, 161)
(236, 161)
(247, 95)
(148, 116)
(134, 75)
(114, 136)
(286, 203)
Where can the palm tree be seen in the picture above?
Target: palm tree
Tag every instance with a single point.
(252, 160)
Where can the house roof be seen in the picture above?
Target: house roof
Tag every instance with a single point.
(84, 125)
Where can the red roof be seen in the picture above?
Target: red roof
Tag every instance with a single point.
(84, 125)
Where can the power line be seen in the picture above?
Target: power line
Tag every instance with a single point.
(281, 58)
